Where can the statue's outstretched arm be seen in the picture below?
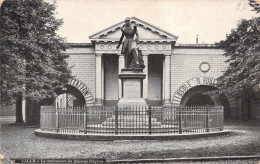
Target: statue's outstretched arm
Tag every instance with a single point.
(137, 35)
(121, 39)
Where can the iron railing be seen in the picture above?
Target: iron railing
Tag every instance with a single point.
(134, 120)
(7, 113)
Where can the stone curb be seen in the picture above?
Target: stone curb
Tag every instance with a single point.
(192, 159)
(107, 137)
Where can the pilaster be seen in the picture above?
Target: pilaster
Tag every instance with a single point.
(98, 98)
(121, 63)
(145, 81)
(167, 82)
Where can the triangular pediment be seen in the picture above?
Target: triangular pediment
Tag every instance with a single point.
(147, 32)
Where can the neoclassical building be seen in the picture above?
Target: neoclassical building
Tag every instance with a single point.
(175, 73)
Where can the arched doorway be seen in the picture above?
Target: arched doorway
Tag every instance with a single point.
(199, 95)
(84, 90)
(69, 97)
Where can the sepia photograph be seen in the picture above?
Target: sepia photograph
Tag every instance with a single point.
(130, 81)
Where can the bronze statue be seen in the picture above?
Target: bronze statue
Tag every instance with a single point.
(132, 55)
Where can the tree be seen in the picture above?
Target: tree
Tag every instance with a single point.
(242, 47)
(32, 62)
(255, 4)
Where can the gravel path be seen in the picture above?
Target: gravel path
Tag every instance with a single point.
(20, 142)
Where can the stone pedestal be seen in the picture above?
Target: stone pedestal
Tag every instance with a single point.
(132, 87)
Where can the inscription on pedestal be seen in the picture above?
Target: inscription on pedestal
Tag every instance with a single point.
(132, 81)
(132, 88)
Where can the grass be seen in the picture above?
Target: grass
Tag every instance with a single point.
(20, 142)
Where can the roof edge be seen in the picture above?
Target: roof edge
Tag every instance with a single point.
(149, 24)
(135, 19)
(79, 44)
(178, 45)
(91, 36)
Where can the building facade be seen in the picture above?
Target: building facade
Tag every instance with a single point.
(175, 73)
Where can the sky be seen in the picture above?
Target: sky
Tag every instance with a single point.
(211, 20)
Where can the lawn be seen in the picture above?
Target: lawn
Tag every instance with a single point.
(20, 142)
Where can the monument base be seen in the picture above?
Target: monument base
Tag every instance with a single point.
(132, 88)
(131, 102)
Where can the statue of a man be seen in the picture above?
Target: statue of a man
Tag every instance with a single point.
(133, 56)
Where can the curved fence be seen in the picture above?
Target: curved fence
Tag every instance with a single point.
(7, 113)
(134, 120)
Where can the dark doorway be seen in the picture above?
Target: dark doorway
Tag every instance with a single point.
(155, 73)
(199, 95)
(110, 79)
(69, 96)
(200, 99)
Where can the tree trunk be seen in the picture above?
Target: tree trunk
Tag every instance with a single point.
(249, 108)
(19, 112)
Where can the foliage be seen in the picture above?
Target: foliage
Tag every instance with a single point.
(255, 4)
(242, 47)
(32, 61)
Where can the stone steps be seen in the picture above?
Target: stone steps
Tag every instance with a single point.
(131, 124)
(112, 119)
(131, 121)
(154, 129)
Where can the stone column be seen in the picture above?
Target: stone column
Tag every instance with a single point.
(167, 83)
(121, 64)
(163, 81)
(145, 81)
(102, 81)
(98, 98)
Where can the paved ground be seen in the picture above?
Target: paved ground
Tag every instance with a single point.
(20, 142)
